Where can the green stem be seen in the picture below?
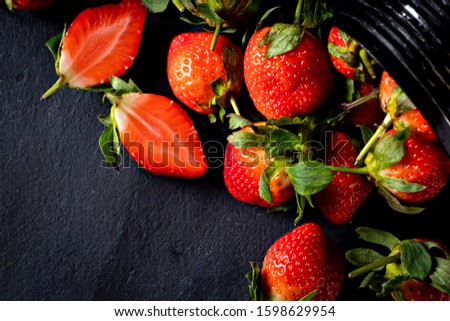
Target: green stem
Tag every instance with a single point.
(372, 95)
(374, 265)
(367, 63)
(216, 36)
(235, 106)
(298, 12)
(9, 4)
(380, 131)
(353, 170)
(179, 5)
(53, 89)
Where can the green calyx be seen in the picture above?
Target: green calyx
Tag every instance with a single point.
(109, 142)
(405, 259)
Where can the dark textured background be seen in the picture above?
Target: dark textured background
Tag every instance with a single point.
(72, 230)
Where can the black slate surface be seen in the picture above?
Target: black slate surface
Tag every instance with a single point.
(72, 230)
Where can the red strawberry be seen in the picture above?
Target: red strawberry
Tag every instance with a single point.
(422, 163)
(342, 197)
(402, 111)
(290, 84)
(344, 54)
(243, 168)
(156, 132)
(368, 113)
(201, 78)
(28, 5)
(413, 270)
(300, 262)
(101, 42)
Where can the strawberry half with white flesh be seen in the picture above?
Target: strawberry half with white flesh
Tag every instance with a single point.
(156, 132)
(101, 42)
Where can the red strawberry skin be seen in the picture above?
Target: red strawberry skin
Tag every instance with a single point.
(414, 290)
(423, 163)
(291, 84)
(301, 261)
(242, 171)
(342, 197)
(31, 5)
(159, 136)
(192, 67)
(335, 38)
(101, 42)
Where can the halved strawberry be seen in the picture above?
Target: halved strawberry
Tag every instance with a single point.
(101, 42)
(156, 132)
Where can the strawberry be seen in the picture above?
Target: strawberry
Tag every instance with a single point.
(101, 42)
(156, 132)
(201, 78)
(290, 84)
(218, 14)
(304, 261)
(402, 111)
(244, 168)
(342, 197)
(28, 5)
(413, 269)
(412, 170)
(367, 113)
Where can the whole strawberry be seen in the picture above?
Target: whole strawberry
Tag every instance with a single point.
(411, 169)
(412, 269)
(28, 5)
(302, 262)
(290, 84)
(100, 43)
(244, 171)
(402, 111)
(203, 79)
(342, 197)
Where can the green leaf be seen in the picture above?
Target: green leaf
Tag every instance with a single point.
(156, 6)
(219, 87)
(280, 142)
(391, 286)
(237, 121)
(396, 205)
(54, 44)
(123, 87)
(242, 139)
(255, 282)
(363, 256)
(441, 275)
(416, 259)
(9, 4)
(207, 12)
(110, 146)
(314, 13)
(264, 186)
(377, 236)
(367, 280)
(282, 38)
(389, 150)
(366, 133)
(400, 185)
(309, 177)
(286, 121)
(105, 119)
(309, 296)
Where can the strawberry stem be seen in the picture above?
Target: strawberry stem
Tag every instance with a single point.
(380, 130)
(357, 102)
(374, 265)
(298, 12)
(235, 106)
(367, 63)
(53, 89)
(353, 170)
(179, 5)
(216, 36)
(9, 4)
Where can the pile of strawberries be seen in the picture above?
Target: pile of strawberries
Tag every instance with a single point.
(301, 150)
